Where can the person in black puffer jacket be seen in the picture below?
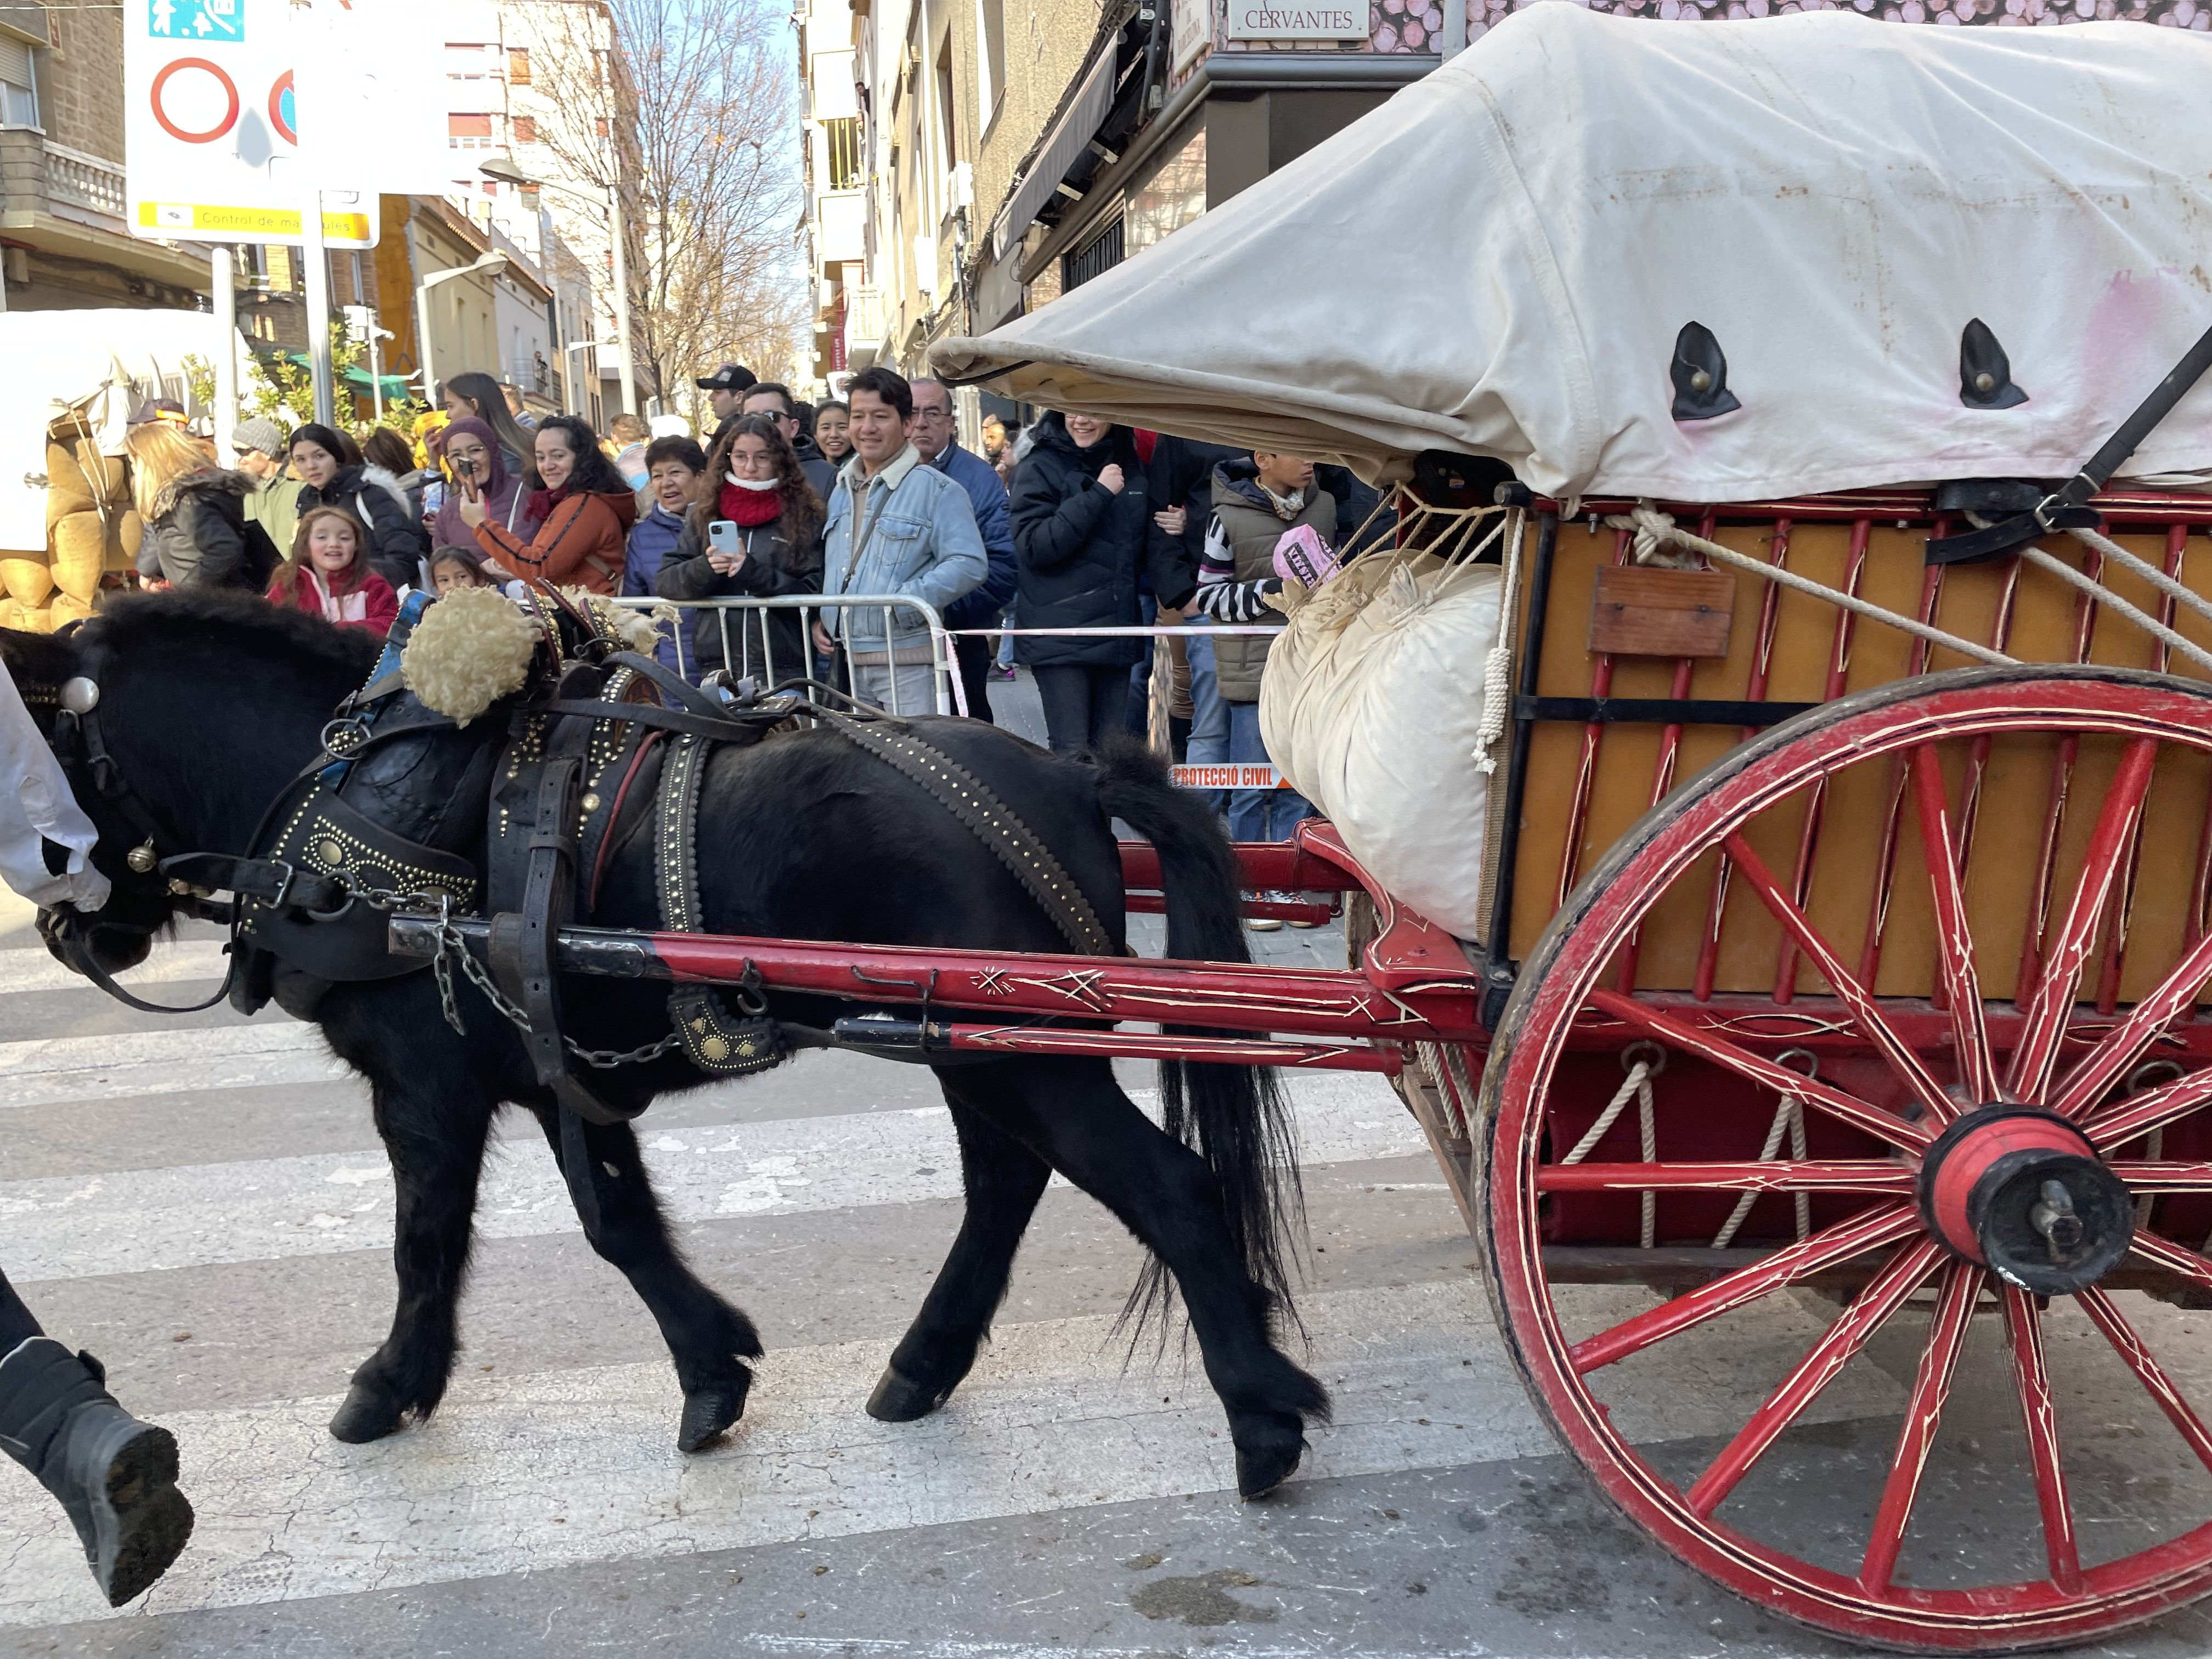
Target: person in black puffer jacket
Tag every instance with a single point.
(1083, 531)
(753, 483)
(396, 539)
(193, 511)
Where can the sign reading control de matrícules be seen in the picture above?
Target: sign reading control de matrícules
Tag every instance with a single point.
(1283, 20)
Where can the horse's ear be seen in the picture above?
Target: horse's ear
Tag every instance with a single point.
(35, 659)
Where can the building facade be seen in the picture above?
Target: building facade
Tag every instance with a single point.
(64, 244)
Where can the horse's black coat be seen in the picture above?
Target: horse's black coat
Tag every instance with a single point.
(210, 704)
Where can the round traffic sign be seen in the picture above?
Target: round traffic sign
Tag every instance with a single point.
(284, 114)
(193, 92)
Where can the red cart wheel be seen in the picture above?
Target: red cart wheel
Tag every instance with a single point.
(1924, 1383)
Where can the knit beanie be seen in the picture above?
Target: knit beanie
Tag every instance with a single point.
(260, 434)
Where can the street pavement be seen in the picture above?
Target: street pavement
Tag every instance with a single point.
(201, 1200)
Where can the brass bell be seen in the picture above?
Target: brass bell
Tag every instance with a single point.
(141, 858)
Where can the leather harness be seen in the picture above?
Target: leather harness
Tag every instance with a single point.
(617, 732)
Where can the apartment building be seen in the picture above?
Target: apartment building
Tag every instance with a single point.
(849, 322)
(532, 86)
(64, 240)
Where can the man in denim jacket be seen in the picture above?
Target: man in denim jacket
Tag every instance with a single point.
(896, 527)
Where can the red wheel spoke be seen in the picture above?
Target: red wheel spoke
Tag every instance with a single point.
(1954, 939)
(2132, 1119)
(2044, 1028)
(1776, 1176)
(1841, 980)
(1884, 1295)
(1885, 1126)
(2104, 1313)
(2145, 1176)
(1824, 1250)
(1923, 1414)
(2119, 1049)
(2039, 1416)
(2179, 1260)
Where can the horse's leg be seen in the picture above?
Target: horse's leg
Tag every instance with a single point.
(708, 1340)
(435, 1139)
(1074, 1113)
(1003, 1180)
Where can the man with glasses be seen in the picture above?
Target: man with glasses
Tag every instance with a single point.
(984, 605)
(774, 400)
(274, 502)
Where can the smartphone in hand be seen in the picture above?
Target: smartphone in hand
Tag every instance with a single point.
(723, 537)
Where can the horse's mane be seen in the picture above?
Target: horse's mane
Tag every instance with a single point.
(131, 622)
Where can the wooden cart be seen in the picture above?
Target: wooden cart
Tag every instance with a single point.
(1840, 1023)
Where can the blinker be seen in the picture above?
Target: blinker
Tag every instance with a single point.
(80, 696)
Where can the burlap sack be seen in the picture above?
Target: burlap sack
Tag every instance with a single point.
(80, 554)
(25, 579)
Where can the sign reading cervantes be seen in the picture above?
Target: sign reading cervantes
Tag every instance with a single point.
(1287, 20)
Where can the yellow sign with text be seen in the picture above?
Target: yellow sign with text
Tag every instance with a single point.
(253, 224)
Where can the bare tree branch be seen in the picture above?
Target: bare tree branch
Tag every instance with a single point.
(693, 123)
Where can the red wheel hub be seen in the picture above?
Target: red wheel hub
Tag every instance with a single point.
(2021, 1190)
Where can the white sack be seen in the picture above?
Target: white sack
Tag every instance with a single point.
(1371, 705)
(1497, 261)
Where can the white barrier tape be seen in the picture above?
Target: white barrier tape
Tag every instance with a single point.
(1228, 777)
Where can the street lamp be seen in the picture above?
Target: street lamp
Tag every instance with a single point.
(502, 168)
(483, 262)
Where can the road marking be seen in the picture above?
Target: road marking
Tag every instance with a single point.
(269, 1209)
(181, 959)
(64, 1071)
(533, 1472)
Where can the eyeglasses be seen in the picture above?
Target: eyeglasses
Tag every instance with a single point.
(933, 414)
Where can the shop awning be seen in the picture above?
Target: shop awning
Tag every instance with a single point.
(1062, 148)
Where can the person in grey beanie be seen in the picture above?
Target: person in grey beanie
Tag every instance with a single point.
(274, 502)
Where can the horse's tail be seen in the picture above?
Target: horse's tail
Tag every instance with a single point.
(1234, 1117)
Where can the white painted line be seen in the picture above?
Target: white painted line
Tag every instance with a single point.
(147, 1220)
(179, 959)
(62, 1071)
(530, 1472)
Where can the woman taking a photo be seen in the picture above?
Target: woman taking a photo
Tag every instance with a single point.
(474, 397)
(479, 469)
(583, 509)
(193, 511)
(396, 541)
(1083, 531)
(772, 545)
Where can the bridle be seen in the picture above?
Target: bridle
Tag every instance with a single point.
(80, 746)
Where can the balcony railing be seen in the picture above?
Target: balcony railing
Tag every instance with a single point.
(864, 324)
(89, 182)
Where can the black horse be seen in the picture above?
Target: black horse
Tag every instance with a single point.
(209, 705)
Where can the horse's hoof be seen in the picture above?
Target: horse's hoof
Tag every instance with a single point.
(899, 1399)
(366, 1415)
(710, 1410)
(1265, 1460)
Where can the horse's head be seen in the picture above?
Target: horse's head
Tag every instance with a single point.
(140, 905)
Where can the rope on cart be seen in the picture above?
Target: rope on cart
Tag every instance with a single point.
(1789, 1117)
(1498, 667)
(1636, 1086)
(2035, 555)
(1655, 531)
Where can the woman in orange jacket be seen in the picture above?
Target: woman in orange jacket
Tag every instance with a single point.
(584, 512)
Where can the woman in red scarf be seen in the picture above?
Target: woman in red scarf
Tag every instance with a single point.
(755, 502)
(583, 509)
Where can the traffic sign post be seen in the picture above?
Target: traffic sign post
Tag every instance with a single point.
(211, 134)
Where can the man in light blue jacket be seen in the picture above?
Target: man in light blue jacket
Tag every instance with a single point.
(896, 527)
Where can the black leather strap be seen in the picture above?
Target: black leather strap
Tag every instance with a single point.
(713, 1040)
(1013, 842)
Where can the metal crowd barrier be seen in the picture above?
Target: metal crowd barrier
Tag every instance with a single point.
(750, 645)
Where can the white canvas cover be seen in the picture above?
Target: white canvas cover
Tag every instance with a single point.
(1498, 261)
